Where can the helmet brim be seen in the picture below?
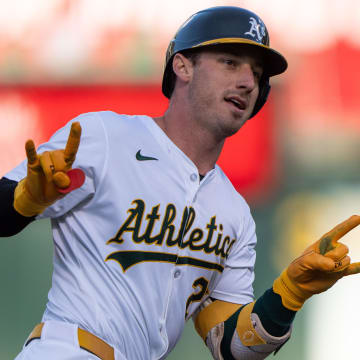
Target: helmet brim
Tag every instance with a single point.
(274, 63)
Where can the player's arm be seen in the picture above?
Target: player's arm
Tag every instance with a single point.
(253, 331)
(245, 332)
(11, 221)
(48, 179)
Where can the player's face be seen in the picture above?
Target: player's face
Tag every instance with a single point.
(224, 89)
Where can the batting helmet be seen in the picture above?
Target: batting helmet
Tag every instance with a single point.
(225, 25)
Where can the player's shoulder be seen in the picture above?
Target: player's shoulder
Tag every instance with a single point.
(109, 118)
(240, 213)
(229, 191)
(111, 124)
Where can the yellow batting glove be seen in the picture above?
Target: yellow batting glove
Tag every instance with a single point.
(318, 268)
(46, 175)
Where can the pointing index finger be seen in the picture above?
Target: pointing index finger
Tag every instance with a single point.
(73, 143)
(352, 269)
(31, 152)
(330, 239)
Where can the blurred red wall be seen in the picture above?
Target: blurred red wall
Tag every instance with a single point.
(248, 157)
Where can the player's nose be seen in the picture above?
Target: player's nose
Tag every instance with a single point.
(245, 77)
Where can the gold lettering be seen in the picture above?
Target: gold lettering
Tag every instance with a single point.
(195, 235)
(186, 224)
(135, 216)
(133, 222)
(167, 226)
(151, 218)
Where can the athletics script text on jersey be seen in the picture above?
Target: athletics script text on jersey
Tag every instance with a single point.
(195, 239)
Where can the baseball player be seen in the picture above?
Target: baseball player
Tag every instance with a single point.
(148, 231)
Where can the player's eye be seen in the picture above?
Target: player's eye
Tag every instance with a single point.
(230, 62)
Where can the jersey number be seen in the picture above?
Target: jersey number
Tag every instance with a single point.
(201, 285)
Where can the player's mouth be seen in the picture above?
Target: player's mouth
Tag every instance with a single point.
(236, 102)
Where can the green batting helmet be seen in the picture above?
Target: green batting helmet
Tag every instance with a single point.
(225, 25)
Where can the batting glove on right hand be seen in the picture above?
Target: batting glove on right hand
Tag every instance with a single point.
(46, 175)
(318, 268)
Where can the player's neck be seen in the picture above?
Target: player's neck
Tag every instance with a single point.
(200, 146)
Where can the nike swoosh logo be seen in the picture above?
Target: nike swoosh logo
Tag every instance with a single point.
(143, 157)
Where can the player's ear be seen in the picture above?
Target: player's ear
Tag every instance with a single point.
(182, 67)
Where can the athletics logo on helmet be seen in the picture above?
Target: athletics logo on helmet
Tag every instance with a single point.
(257, 29)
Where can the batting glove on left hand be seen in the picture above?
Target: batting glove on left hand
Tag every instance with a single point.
(318, 268)
(47, 174)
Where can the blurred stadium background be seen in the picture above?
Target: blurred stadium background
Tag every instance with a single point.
(296, 163)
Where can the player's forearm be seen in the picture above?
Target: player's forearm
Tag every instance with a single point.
(11, 222)
(249, 332)
(275, 318)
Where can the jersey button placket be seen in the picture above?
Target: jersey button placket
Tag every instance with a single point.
(193, 187)
(177, 273)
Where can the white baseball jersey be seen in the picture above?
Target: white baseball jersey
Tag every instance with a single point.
(143, 241)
